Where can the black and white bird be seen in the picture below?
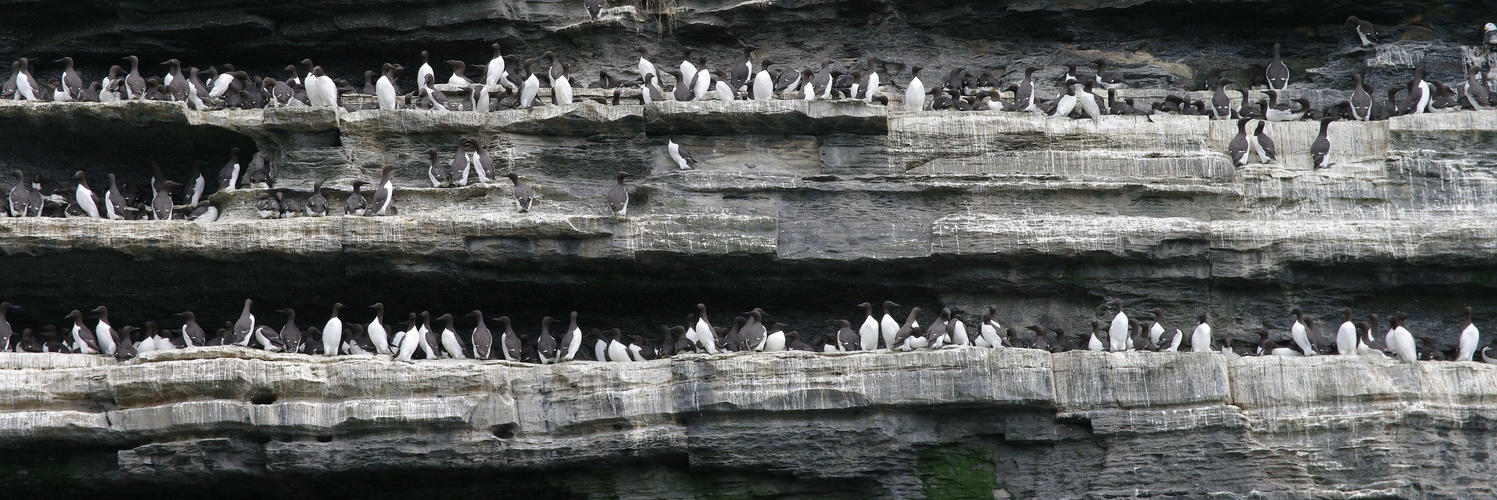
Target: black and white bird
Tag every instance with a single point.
(317, 203)
(1361, 101)
(914, 94)
(384, 193)
(1320, 149)
(1110, 80)
(524, 195)
(1365, 32)
(645, 66)
(1277, 73)
(355, 205)
(680, 155)
(1489, 36)
(436, 171)
(618, 196)
(1263, 145)
(1239, 147)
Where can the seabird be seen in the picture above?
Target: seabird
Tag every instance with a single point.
(1299, 333)
(451, 347)
(1277, 72)
(740, 74)
(1087, 101)
(425, 69)
(530, 88)
(458, 69)
(1361, 102)
(84, 339)
(1066, 102)
(1419, 94)
(19, 197)
(384, 193)
(427, 339)
(114, 200)
(524, 195)
(1365, 32)
(649, 91)
(571, 341)
(645, 66)
(868, 332)
(618, 196)
(546, 347)
(228, 177)
(457, 170)
(1321, 148)
(355, 205)
(290, 336)
(1263, 145)
(1024, 95)
(1117, 332)
(384, 89)
(1470, 337)
(1268, 347)
(722, 90)
(1238, 148)
(1346, 335)
(754, 333)
(870, 84)
(494, 73)
(910, 336)
(378, 334)
(317, 203)
(135, 86)
(888, 327)
(704, 333)
(763, 85)
(1200, 339)
(407, 340)
(958, 331)
(72, 84)
(482, 163)
(1401, 341)
(1221, 104)
(679, 154)
(161, 203)
(617, 352)
(332, 333)
(1110, 80)
(914, 95)
(483, 340)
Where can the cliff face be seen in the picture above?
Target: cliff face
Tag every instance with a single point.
(958, 423)
(801, 208)
(1043, 217)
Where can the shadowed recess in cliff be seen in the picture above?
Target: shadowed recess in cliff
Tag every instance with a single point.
(97, 142)
(1168, 37)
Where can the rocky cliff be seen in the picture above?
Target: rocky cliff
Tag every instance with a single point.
(957, 423)
(802, 208)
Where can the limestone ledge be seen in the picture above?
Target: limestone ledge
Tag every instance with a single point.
(1243, 248)
(229, 390)
(581, 118)
(472, 235)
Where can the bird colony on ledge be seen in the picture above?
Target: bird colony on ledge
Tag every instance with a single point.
(508, 82)
(417, 339)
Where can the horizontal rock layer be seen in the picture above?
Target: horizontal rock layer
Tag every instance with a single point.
(1044, 217)
(873, 424)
